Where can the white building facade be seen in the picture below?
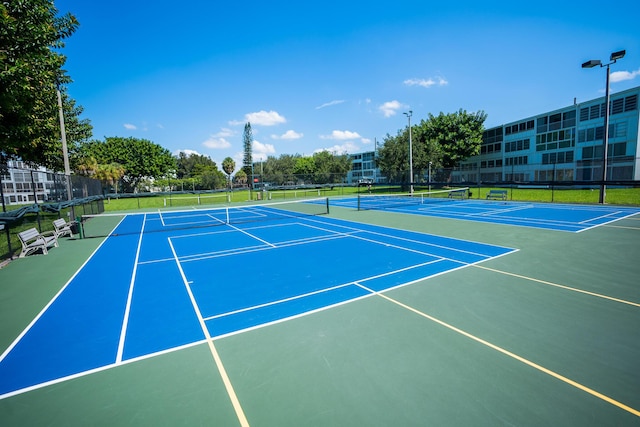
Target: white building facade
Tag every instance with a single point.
(562, 145)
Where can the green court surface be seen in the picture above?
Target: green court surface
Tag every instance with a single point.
(547, 335)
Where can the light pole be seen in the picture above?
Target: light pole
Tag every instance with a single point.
(605, 140)
(65, 152)
(409, 114)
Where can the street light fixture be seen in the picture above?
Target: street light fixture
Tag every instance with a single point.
(409, 114)
(605, 140)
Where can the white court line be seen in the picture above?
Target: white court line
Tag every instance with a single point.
(214, 352)
(252, 236)
(55, 297)
(264, 248)
(402, 238)
(599, 217)
(499, 211)
(355, 282)
(127, 310)
(607, 223)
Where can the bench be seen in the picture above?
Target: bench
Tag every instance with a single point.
(32, 240)
(458, 194)
(62, 228)
(497, 194)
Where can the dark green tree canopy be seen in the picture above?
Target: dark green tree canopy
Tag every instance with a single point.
(322, 167)
(440, 142)
(459, 134)
(31, 34)
(199, 170)
(140, 158)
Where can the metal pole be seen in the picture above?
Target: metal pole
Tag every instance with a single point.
(605, 140)
(605, 143)
(409, 114)
(65, 153)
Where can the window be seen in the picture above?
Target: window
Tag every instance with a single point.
(620, 149)
(595, 112)
(568, 156)
(631, 103)
(569, 119)
(584, 114)
(617, 106)
(542, 124)
(599, 135)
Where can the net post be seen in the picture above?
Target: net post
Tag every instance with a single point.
(80, 227)
(327, 199)
(358, 201)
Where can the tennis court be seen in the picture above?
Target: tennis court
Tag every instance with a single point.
(553, 216)
(264, 315)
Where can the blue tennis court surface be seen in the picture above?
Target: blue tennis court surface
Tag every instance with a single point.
(560, 217)
(146, 291)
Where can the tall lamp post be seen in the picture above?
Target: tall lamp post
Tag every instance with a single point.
(65, 152)
(409, 114)
(605, 139)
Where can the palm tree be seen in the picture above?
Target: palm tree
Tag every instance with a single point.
(87, 166)
(228, 166)
(110, 174)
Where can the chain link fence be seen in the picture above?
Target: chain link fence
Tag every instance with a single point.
(36, 197)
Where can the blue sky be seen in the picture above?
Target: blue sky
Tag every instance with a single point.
(333, 75)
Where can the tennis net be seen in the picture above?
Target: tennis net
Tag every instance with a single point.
(391, 201)
(114, 224)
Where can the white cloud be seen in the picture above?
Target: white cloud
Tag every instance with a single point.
(619, 76)
(342, 135)
(224, 133)
(391, 108)
(216, 143)
(261, 151)
(426, 83)
(347, 147)
(265, 118)
(331, 103)
(290, 134)
(129, 126)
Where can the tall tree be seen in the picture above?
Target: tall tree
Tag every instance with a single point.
(31, 35)
(459, 134)
(330, 168)
(442, 141)
(247, 161)
(140, 158)
(240, 177)
(228, 166)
